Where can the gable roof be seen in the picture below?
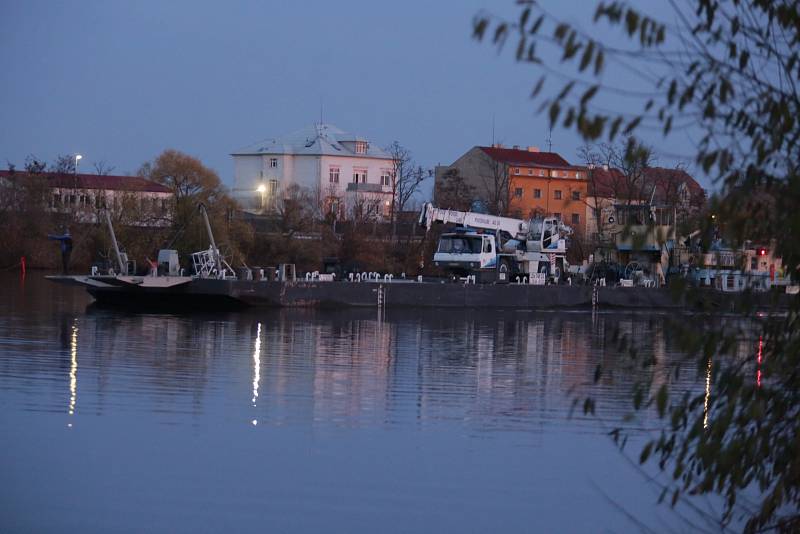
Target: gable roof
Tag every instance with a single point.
(92, 181)
(611, 183)
(316, 140)
(524, 157)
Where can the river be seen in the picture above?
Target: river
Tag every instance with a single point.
(319, 421)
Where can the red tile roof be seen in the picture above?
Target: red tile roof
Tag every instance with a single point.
(668, 180)
(524, 157)
(94, 181)
(611, 183)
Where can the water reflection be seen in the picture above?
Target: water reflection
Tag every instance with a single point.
(709, 366)
(256, 368)
(360, 417)
(73, 370)
(492, 370)
(758, 360)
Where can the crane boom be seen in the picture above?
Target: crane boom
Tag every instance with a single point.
(430, 214)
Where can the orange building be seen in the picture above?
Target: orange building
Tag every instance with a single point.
(543, 183)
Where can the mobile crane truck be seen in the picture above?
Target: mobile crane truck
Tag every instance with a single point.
(497, 248)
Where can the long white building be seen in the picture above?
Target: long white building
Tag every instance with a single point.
(347, 171)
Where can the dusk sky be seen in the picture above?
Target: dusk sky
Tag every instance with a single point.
(122, 81)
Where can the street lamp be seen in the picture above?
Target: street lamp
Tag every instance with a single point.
(262, 189)
(78, 157)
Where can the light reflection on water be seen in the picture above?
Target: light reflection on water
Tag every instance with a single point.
(304, 420)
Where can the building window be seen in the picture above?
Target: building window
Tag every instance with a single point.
(333, 175)
(576, 218)
(516, 170)
(56, 200)
(386, 177)
(359, 176)
(557, 194)
(541, 172)
(530, 172)
(557, 215)
(537, 193)
(576, 195)
(273, 162)
(578, 175)
(518, 192)
(361, 147)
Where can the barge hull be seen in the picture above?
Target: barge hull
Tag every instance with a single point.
(212, 293)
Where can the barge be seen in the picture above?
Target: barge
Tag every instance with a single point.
(216, 285)
(157, 292)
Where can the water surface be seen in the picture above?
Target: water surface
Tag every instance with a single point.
(317, 421)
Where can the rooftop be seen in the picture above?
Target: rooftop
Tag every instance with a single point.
(516, 156)
(91, 181)
(316, 140)
(612, 183)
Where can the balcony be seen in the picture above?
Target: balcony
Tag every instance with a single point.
(365, 188)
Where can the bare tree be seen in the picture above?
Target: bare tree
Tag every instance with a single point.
(295, 209)
(406, 178)
(64, 164)
(454, 192)
(101, 168)
(496, 183)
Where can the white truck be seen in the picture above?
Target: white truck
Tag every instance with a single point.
(498, 248)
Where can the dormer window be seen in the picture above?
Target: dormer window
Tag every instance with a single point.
(361, 147)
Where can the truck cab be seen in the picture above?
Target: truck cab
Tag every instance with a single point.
(461, 253)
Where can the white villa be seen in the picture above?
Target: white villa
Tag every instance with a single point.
(348, 174)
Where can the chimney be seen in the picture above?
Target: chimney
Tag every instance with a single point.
(533, 149)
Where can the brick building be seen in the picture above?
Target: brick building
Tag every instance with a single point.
(520, 182)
